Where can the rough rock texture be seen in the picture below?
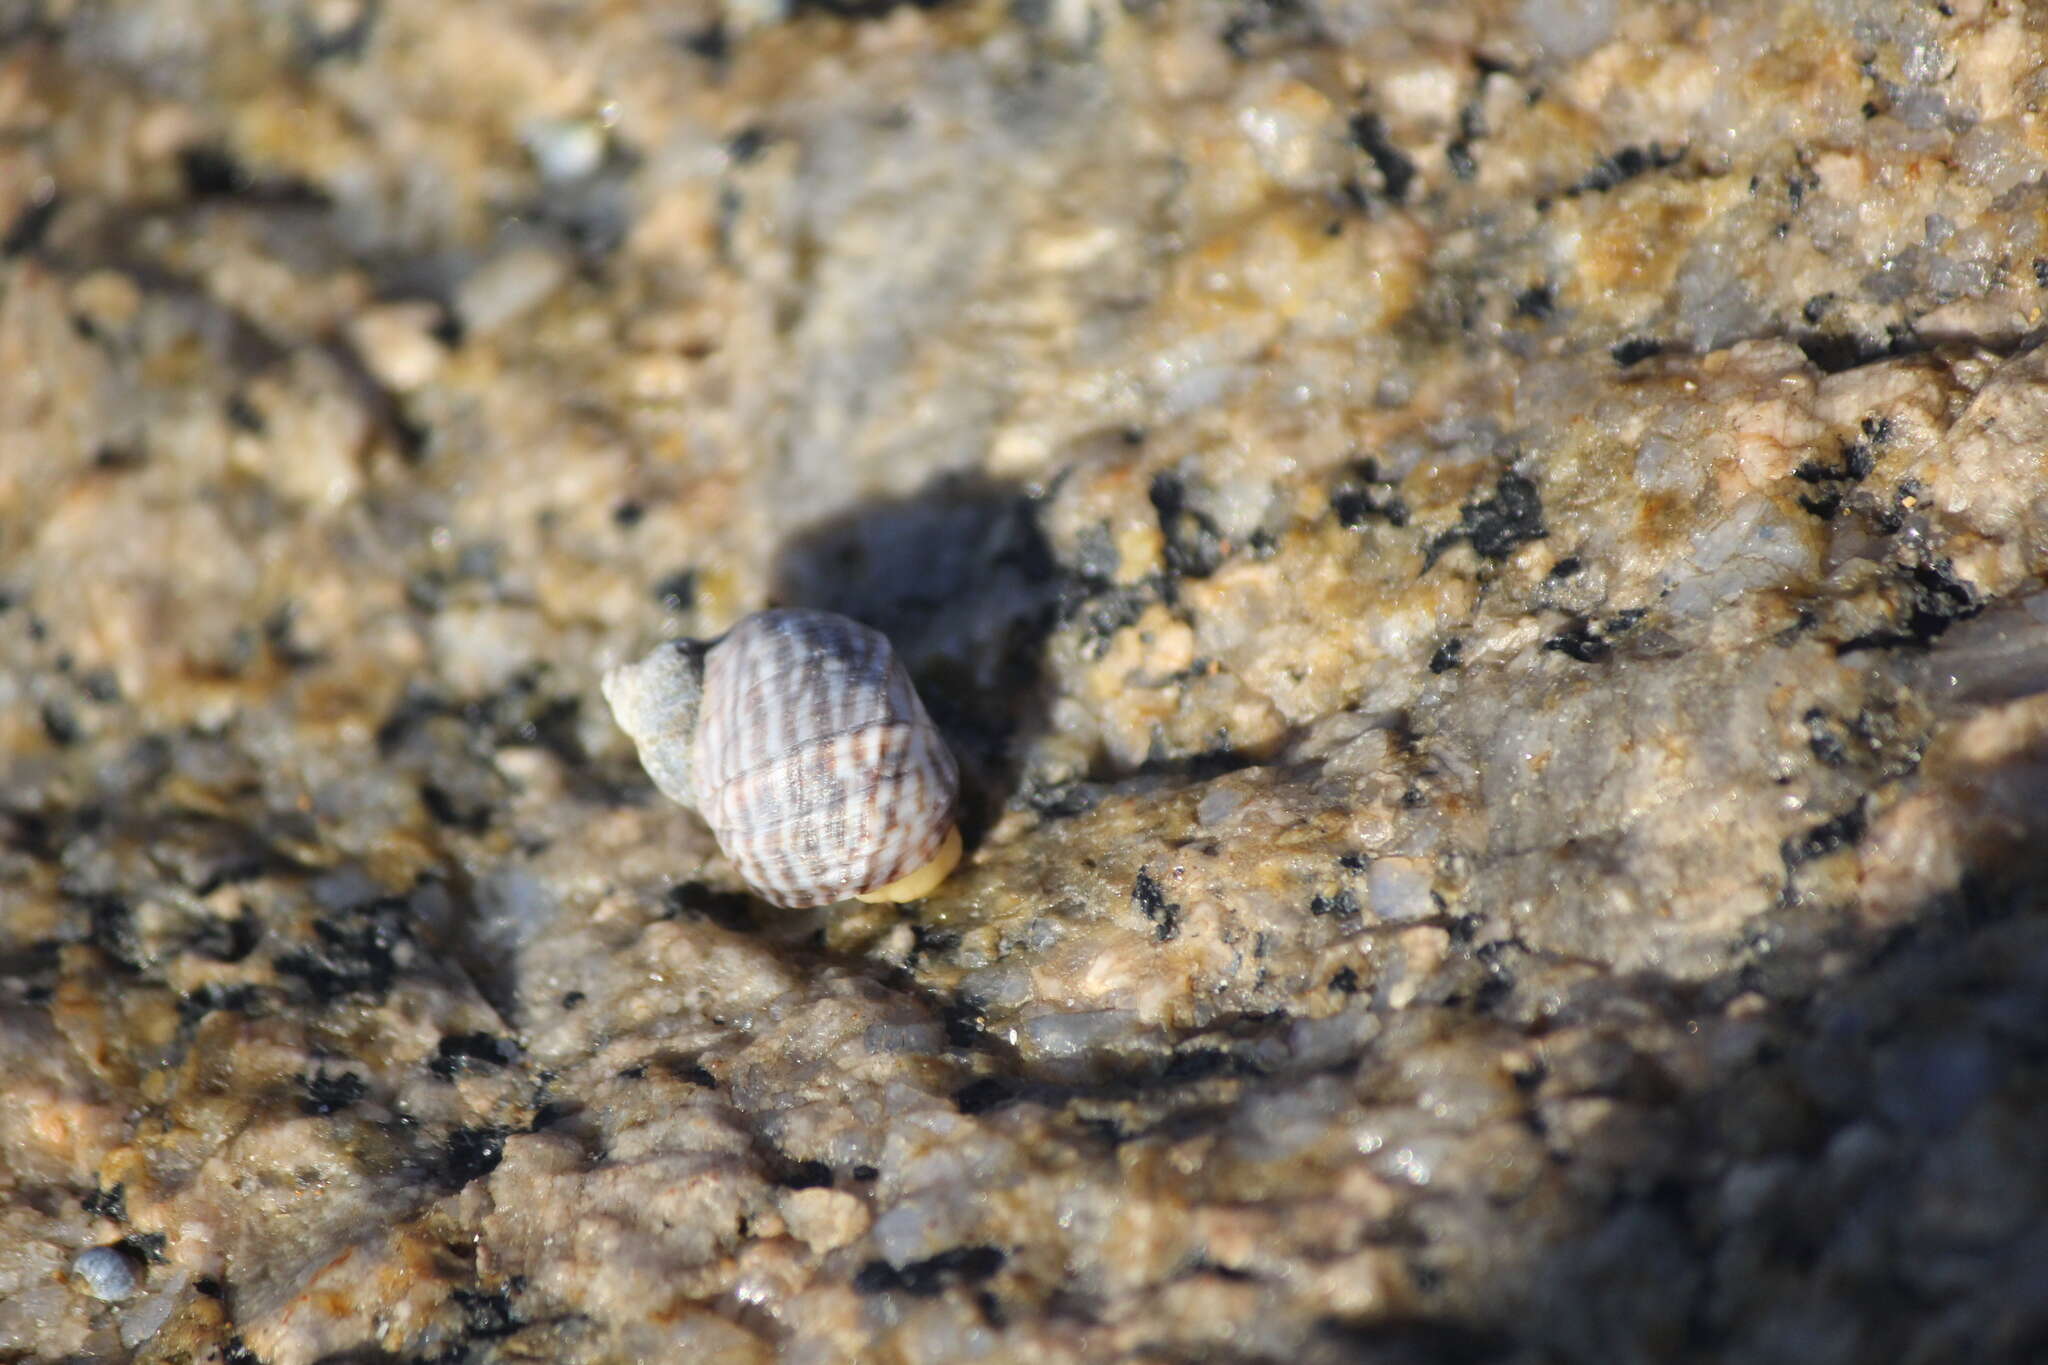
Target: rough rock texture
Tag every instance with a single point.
(1486, 563)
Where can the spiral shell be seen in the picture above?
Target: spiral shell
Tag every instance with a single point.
(798, 737)
(107, 1272)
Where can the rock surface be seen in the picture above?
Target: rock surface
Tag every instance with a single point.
(1484, 562)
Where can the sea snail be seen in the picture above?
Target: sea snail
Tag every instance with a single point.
(799, 739)
(108, 1273)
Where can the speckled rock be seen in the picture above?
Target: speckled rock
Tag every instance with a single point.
(1484, 563)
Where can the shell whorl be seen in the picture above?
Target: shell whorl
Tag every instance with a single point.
(656, 702)
(812, 760)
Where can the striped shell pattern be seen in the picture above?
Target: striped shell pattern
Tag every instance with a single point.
(814, 763)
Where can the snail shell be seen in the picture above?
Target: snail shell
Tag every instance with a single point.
(799, 739)
(108, 1273)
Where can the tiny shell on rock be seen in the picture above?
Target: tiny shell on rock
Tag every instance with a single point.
(107, 1273)
(800, 740)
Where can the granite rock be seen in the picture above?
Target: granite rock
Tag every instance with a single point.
(1484, 564)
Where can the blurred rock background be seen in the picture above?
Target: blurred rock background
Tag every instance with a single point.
(1484, 562)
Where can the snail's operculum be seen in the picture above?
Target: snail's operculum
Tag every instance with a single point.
(917, 885)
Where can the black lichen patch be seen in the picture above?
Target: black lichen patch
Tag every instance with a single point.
(356, 952)
(1883, 741)
(109, 1204)
(1906, 498)
(1511, 517)
(929, 1277)
(1826, 738)
(1634, 350)
(1462, 155)
(1499, 982)
(876, 1277)
(331, 1093)
(804, 1175)
(29, 227)
(1263, 26)
(1343, 904)
(746, 146)
(1625, 165)
(243, 999)
(1495, 526)
(244, 415)
(1345, 981)
(1581, 640)
(1927, 599)
(1362, 496)
(1853, 466)
(678, 1067)
(1829, 836)
(456, 808)
(471, 1153)
(1396, 168)
(711, 42)
(1833, 352)
(486, 1314)
(227, 940)
(60, 723)
(111, 929)
(463, 1053)
(1538, 301)
(550, 1113)
(1823, 504)
(147, 1247)
(1056, 800)
(212, 172)
(676, 592)
(1099, 611)
(32, 969)
(120, 458)
(1149, 900)
(101, 686)
(1195, 548)
(1590, 641)
(1830, 481)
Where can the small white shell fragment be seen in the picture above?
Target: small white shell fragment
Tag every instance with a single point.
(108, 1273)
(565, 149)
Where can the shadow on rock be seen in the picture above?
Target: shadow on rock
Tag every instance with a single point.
(960, 578)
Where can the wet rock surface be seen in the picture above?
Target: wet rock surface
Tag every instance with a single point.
(1483, 562)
